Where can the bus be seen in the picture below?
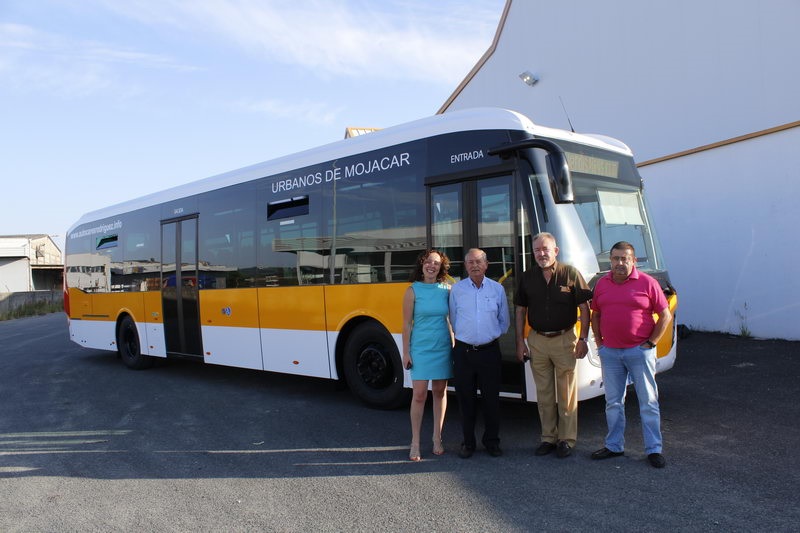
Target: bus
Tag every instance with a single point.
(298, 265)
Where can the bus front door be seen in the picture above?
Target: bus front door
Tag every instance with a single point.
(481, 214)
(180, 282)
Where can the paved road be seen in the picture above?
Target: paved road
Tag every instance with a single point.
(87, 445)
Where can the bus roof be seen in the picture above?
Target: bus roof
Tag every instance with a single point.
(483, 118)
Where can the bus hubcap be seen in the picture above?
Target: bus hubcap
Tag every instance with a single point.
(374, 367)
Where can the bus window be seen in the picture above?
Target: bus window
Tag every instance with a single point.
(380, 228)
(227, 249)
(141, 242)
(290, 207)
(495, 227)
(614, 212)
(291, 249)
(85, 268)
(446, 225)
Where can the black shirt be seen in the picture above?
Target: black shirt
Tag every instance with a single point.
(552, 306)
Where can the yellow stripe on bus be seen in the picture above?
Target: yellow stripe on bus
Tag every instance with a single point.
(383, 301)
(229, 307)
(309, 308)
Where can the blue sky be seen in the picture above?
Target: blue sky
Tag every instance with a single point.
(106, 100)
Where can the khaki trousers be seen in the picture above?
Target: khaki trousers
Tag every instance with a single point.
(553, 368)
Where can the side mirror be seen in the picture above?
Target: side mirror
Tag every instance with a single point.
(557, 171)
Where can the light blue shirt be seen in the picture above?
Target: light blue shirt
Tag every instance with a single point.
(478, 315)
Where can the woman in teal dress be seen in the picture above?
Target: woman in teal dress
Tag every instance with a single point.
(427, 342)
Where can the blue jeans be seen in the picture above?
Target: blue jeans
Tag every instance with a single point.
(640, 365)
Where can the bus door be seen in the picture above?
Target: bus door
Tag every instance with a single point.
(180, 283)
(481, 214)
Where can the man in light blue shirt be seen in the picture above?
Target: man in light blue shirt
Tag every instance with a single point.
(478, 315)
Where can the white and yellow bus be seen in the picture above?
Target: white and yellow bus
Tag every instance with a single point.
(298, 265)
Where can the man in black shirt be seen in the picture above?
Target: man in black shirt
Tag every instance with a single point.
(550, 294)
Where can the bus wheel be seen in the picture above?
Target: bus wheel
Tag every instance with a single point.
(129, 348)
(373, 368)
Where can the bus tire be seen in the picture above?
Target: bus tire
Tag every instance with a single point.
(128, 346)
(372, 367)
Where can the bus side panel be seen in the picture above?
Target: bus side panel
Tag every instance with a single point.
(229, 325)
(98, 329)
(667, 345)
(110, 305)
(80, 303)
(382, 302)
(92, 333)
(153, 342)
(293, 336)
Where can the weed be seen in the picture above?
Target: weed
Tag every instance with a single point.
(32, 309)
(744, 330)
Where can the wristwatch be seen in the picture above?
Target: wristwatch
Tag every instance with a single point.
(650, 343)
(582, 339)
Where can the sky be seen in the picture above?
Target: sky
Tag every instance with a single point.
(102, 101)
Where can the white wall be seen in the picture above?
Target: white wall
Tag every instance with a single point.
(44, 251)
(728, 221)
(15, 275)
(667, 77)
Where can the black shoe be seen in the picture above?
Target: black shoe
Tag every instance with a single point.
(657, 460)
(605, 453)
(564, 449)
(494, 450)
(466, 451)
(544, 448)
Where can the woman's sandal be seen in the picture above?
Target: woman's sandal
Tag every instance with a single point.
(413, 454)
(438, 448)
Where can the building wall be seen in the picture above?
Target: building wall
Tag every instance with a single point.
(29, 262)
(43, 251)
(726, 220)
(15, 275)
(664, 78)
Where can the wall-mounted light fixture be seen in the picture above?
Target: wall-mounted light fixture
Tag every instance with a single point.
(529, 78)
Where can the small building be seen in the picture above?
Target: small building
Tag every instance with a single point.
(30, 263)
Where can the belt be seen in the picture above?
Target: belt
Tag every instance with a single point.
(552, 333)
(477, 347)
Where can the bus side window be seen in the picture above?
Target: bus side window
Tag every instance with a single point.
(291, 250)
(380, 228)
(227, 252)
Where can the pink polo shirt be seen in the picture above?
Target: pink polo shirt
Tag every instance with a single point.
(626, 309)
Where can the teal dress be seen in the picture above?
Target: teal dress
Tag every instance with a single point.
(430, 336)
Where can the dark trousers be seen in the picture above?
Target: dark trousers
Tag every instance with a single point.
(478, 369)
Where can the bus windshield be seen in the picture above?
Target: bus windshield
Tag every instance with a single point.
(613, 212)
(610, 206)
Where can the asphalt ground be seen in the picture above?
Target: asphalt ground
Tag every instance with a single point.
(88, 445)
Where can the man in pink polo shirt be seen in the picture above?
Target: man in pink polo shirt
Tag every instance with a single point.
(626, 334)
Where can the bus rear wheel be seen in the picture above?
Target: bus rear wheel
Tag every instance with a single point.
(129, 347)
(372, 367)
